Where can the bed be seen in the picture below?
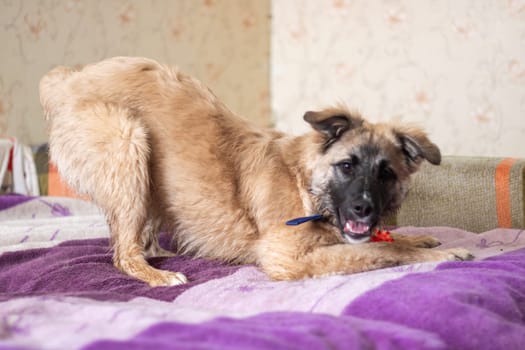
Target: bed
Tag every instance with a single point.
(59, 290)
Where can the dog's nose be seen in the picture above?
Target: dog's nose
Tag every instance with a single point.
(362, 208)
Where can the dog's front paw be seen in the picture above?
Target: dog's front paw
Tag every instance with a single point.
(458, 254)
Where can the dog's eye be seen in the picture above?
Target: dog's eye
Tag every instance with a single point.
(345, 166)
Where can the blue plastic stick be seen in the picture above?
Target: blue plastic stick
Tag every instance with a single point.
(302, 220)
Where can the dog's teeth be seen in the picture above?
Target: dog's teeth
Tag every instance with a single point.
(356, 227)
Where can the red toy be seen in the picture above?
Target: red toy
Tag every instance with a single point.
(381, 236)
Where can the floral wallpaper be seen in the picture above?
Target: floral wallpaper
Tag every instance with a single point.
(225, 43)
(455, 67)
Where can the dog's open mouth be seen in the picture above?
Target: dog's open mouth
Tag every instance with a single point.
(356, 232)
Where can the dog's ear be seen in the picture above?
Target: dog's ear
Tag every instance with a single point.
(416, 146)
(332, 123)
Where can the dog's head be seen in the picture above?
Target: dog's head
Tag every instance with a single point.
(363, 170)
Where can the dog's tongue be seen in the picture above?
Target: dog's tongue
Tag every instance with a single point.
(356, 227)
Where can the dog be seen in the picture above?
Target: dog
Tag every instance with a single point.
(157, 150)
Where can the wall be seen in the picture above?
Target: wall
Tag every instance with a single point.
(224, 43)
(455, 67)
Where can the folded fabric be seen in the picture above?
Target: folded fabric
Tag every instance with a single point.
(16, 160)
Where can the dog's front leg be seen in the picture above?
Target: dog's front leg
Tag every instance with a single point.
(420, 241)
(347, 259)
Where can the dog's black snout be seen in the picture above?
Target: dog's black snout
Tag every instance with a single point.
(362, 208)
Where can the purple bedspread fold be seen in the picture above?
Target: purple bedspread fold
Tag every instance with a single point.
(83, 268)
(474, 305)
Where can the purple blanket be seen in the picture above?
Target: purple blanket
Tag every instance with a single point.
(59, 290)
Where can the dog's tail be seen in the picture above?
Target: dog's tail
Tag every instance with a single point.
(51, 89)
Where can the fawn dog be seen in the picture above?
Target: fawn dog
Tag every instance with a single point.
(156, 149)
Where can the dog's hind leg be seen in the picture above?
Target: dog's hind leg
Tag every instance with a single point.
(106, 156)
(152, 247)
(128, 216)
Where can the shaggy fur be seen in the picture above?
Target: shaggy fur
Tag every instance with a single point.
(155, 149)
